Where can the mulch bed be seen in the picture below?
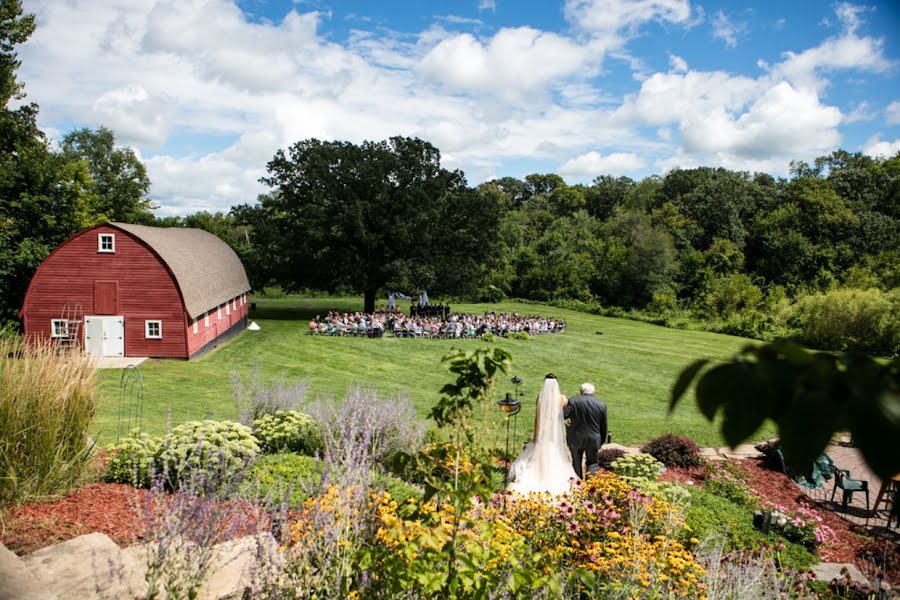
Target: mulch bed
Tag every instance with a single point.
(110, 508)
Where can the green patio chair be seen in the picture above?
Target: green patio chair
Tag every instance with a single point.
(849, 487)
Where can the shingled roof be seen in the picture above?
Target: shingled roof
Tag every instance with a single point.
(206, 269)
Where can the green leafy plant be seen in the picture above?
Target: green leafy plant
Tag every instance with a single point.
(673, 450)
(287, 476)
(638, 465)
(810, 397)
(133, 459)
(288, 431)
(205, 446)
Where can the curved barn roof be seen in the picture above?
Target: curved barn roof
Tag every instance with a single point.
(206, 269)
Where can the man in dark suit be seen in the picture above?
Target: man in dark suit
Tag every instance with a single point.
(586, 431)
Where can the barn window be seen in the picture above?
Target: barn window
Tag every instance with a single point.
(219, 312)
(106, 242)
(228, 309)
(196, 327)
(234, 304)
(59, 328)
(153, 330)
(206, 319)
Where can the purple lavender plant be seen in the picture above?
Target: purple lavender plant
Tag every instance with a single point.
(254, 398)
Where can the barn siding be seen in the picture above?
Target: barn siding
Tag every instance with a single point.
(146, 291)
(205, 335)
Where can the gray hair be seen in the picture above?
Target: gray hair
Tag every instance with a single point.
(587, 389)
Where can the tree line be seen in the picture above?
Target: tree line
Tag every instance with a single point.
(814, 256)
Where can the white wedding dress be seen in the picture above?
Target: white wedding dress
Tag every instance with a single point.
(546, 464)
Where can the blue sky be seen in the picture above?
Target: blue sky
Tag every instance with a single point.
(207, 90)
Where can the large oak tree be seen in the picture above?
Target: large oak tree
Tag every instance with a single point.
(376, 216)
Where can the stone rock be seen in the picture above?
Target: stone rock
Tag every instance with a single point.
(90, 566)
(17, 581)
(711, 454)
(625, 449)
(741, 452)
(828, 571)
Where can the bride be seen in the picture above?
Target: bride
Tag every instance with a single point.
(546, 464)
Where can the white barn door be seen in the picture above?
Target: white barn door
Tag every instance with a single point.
(104, 336)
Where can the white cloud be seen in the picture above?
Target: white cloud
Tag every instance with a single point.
(138, 118)
(592, 164)
(608, 17)
(861, 112)
(726, 30)
(514, 62)
(892, 113)
(849, 15)
(490, 5)
(875, 147)
(678, 64)
(784, 120)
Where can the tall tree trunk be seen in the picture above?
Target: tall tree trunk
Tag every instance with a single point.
(369, 302)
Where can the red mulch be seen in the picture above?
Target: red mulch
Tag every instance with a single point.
(110, 508)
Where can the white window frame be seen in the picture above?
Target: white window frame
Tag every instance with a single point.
(219, 312)
(147, 324)
(234, 304)
(242, 299)
(196, 326)
(102, 237)
(54, 333)
(228, 309)
(206, 319)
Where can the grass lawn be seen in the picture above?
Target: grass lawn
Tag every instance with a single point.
(632, 364)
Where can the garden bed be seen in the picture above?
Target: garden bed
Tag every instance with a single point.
(114, 509)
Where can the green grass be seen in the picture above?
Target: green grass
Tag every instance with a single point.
(632, 364)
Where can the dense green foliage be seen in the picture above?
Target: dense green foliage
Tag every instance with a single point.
(46, 408)
(288, 431)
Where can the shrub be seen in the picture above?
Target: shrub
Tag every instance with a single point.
(606, 457)
(254, 398)
(673, 450)
(133, 459)
(491, 294)
(638, 465)
(288, 431)
(46, 407)
(202, 447)
(850, 319)
(280, 477)
(488, 337)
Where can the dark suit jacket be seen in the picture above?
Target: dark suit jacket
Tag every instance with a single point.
(587, 421)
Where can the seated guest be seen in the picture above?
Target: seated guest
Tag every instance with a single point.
(313, 326)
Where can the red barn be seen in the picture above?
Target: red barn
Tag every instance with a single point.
(133, 290)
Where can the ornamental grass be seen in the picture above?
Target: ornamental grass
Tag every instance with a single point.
(46, 407)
